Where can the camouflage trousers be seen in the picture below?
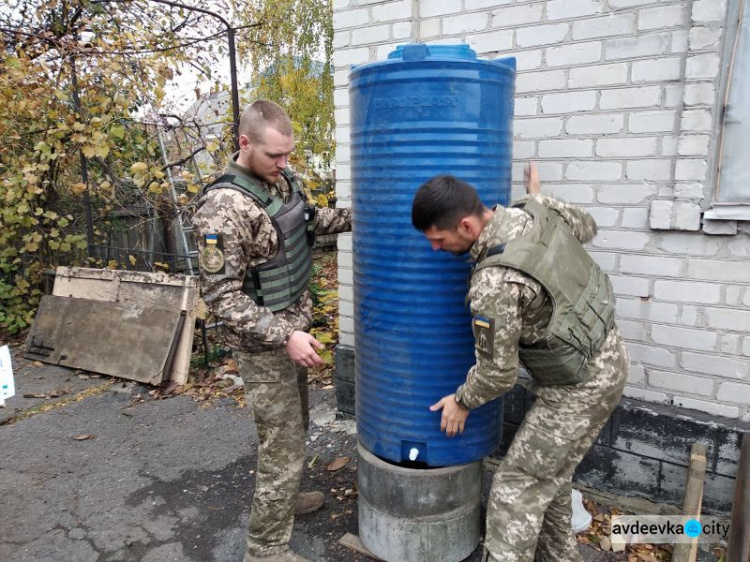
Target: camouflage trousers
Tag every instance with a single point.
(276, 391)
(529, 506)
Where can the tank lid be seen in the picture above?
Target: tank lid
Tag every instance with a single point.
(420, 51)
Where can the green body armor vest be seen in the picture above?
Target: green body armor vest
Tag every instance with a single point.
(582, 297)
(279, 283)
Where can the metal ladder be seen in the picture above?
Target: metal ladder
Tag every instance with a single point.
(185, 227)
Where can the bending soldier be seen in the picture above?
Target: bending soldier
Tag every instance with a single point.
(537, 297)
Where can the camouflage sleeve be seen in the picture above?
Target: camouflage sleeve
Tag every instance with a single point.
(230, 215)
(496, 322)
(333, 221)
(580, 222)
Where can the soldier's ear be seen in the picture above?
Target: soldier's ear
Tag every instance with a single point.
(244, 142)
(469, 227)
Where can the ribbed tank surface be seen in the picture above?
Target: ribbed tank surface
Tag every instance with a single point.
(425, 111)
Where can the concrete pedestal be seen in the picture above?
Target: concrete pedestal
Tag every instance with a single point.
(418, 515)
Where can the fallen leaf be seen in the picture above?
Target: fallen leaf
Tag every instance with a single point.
(38, 364)
(605, 543)
(84, 437)
(34, 395)
(338, 463)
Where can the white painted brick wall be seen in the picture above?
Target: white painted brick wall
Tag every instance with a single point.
(647, 96)
(565, 148)
(391, 11)
(689, 292)
(661, 17)
(595, 125)
(615, 100)
(566, 9)
(702, 66)
(682, 337)
(518, 15)
(714, 365)
(625, 195)
(594, 171)
(653, 265)
(684, 384)
(622, 148)
(575, 54)
(608, 26)
(635, 47)
(649, 170)
(370, 35)
(477, 21)
(571, 102)
(652, 121)
(540, 81)
(598, 75)
(542, 35)
(657, 70)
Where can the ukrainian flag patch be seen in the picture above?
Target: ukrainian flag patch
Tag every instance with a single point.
(484, 335)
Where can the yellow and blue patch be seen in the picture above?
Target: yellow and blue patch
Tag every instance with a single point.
(211, 258)
(484, 335)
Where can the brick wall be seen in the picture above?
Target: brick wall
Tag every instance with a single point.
(617, 101)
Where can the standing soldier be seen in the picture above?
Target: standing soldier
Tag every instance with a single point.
(254, 234)
(538, 297)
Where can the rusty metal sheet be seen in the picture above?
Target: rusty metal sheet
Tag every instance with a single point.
(129, 340)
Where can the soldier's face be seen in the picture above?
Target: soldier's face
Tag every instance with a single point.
(456, 241)
(268, 157)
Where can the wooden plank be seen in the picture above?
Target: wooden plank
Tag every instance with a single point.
(738, 546)
(691, 506)
(129, 341)
(353, 542)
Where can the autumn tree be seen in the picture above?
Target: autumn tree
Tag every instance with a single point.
(82, 87)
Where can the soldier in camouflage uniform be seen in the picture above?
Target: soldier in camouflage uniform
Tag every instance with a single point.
(538, 298)
(254, 235)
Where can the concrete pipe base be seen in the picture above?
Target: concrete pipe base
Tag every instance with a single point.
(418, 515)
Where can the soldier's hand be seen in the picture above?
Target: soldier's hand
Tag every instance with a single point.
(301, 348)
(454, 416)
(531, 178)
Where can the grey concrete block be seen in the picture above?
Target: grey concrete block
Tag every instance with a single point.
(672, 482)
(718, 494)
(727, 457)
(643, 431)
(345, 363)
(619, 472)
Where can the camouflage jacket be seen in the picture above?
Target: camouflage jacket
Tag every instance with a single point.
(248, 240)
(519, 305)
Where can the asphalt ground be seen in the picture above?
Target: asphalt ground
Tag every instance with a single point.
(98, 469)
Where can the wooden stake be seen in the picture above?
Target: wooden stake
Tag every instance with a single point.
(691, 506)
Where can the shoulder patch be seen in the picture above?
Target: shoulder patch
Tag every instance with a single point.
(211, 258)
(484, 335)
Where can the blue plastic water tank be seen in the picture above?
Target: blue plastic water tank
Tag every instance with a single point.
(427, 110)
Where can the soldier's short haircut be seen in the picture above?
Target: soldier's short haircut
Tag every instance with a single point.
(442, 202)
(261, 114)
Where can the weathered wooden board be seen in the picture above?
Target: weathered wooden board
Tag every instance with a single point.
(132, 341)
(353, 542)
(162, 290)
